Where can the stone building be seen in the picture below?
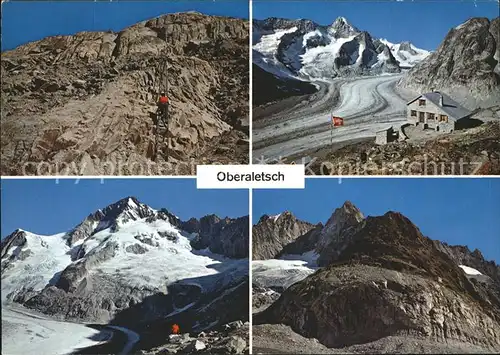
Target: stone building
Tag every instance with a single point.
(386, 135)
(436, 110)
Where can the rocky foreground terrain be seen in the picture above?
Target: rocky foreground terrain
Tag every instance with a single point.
(381, 286)
(473, 151)
(85, 104)
(232, 338)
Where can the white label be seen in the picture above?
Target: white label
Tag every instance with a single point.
(250, 176)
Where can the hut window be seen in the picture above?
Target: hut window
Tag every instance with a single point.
(421, 102)
(413, 113)
(443, 118)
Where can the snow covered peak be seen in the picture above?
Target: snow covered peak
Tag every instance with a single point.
(406, 53)
(128, 208)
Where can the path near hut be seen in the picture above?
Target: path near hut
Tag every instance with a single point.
(367, 104)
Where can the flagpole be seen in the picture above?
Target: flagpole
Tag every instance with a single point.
(331, 128)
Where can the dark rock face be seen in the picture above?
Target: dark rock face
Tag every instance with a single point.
(16, 239)
(271, 234)
(406, 46)
(13, 244)
(342, 29)
(461, 255)
(391, 62)
(226, 236)
(382, 277)
(466, 60)
(136, 249)
(262, 297)
(337, 233)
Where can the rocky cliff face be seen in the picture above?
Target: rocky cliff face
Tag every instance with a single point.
(465, 64)
(86, 102)
(271, 234)
(382, 278)
(357, 304)
(276, 23)
(336, 234)
(304, 243)
(226, 236)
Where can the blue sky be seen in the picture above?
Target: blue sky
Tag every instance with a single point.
(424, 23)
(29, 21)
(457, 211)
(44, 207)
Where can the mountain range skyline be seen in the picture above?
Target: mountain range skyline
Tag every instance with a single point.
(405, 22)
(440, 212)
(22, 199)
(68, 18)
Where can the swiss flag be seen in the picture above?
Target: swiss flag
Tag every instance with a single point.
(337, 121)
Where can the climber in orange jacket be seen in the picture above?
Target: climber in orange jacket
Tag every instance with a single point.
(176, 329)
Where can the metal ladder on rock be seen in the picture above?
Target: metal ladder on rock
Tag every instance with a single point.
(162, 118)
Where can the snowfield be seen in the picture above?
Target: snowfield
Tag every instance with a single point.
(282, 273)
(173, 259)
(469, 271)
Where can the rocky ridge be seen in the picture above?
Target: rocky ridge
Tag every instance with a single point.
(231, 338)
(272, 233)
(466, 64)
(85, 102)
(225, 236)
(358, 53)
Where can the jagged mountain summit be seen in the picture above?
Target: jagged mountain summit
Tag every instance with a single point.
(90, 98)
(272, 233)
(129, 262)
(381, 283)
(466, 64)
(305, 49)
